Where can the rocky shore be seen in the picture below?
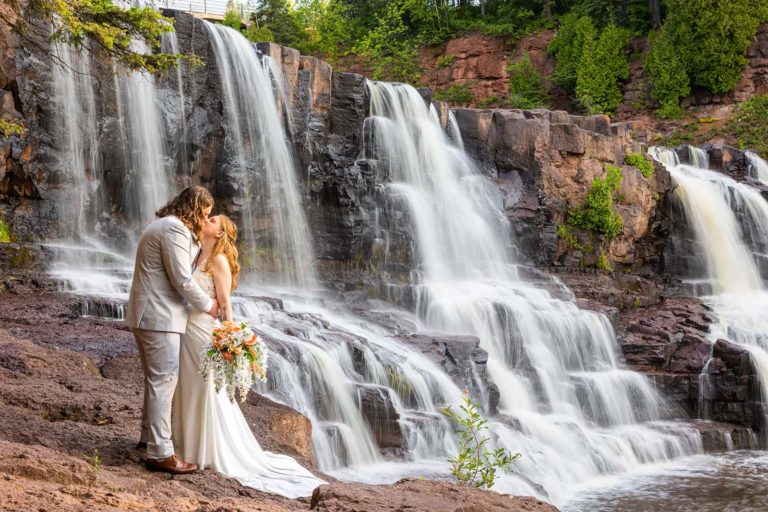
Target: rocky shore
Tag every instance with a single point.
(70, 389)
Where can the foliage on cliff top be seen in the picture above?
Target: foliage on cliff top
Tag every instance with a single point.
(457, 94)
(702, 43)
(640, 162)
(748, 126)
(596, 213)
(105, 26)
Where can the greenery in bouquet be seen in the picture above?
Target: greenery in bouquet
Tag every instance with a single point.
(236, 359)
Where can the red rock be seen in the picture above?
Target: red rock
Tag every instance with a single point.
(419, 495)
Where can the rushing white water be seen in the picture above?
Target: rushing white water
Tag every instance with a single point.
(578, 412)
(730, 221)
(149, 182)
(758, 166)
(257, 139)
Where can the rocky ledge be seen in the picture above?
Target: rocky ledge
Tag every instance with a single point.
(665, 336)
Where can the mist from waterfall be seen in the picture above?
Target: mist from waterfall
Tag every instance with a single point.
(263, 159)
(576, 411)
(730, 222)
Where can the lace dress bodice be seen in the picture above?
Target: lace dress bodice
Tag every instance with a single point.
(205, 280)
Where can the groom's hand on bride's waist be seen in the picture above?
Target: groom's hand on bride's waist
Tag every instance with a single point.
(214, 311)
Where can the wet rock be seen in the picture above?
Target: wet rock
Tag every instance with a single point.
(463, 360)
(419, 495)
(379, 412)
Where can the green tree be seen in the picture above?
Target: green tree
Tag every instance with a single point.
(476, 465)
(568, 47)
(526, 86)
(232, 16)
(602, 67)
(391, 47)
(711, 37)
(668, 75)
(110, 28)
(331, 30)
(282, 21)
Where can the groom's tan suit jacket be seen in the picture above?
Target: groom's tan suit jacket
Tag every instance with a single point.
(162, 279)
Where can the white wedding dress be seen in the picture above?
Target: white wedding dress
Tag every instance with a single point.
(212, 432)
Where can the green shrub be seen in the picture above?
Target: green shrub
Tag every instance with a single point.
(602, 67)
(258, 34)
(458, 94)
(445, 61)
(596, 213)
(526, 86)
(603, 263)
(637, 160)
(668, 75)
(476, 465)
(6, 236)
(8, 128)
(488, 101)
(748, 126)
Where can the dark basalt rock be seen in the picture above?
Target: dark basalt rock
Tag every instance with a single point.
(463, 360)
(381, 416)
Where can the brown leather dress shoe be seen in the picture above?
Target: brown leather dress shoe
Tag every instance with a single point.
(172, 465)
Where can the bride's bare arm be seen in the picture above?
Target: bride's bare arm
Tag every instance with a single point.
(222, 278)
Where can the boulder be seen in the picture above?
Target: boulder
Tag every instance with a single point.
(411, 494)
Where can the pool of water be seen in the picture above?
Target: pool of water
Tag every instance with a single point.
(728, 482)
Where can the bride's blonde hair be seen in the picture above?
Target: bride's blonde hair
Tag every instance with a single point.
(226, 244)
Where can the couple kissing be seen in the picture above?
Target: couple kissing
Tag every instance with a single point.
(186, 268)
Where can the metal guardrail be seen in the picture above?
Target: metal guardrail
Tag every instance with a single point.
(204, 7)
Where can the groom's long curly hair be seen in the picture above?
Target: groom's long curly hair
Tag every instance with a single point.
(188, 206)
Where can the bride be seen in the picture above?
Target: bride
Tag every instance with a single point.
(207, 428)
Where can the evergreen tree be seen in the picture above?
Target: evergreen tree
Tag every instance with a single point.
(282, 21)
(711, 37)
(602, 67)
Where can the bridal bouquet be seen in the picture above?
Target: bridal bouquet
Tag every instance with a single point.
(236, 359)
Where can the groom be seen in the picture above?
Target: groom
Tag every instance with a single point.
(157, 312)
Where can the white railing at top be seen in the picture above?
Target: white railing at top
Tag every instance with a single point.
(216, 7)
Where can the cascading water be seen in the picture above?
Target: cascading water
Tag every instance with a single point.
(557, 367)
(758, 167)
(257, 141)
(148, 183)
(80, 251)
(730, 221)
(84, 253)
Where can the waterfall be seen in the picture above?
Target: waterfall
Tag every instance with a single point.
(730, 221)
(758, 167)
(577, 412)
(262, 159)
(148, 183)
(87, 261)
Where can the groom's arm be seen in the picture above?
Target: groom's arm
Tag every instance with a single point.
(175, 253)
